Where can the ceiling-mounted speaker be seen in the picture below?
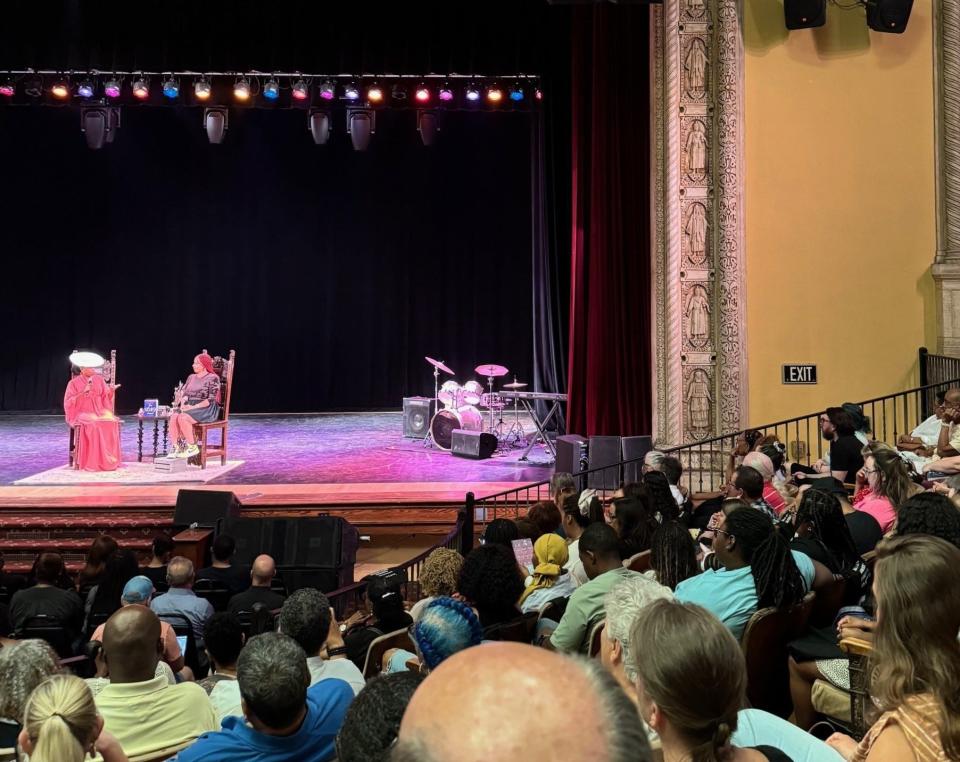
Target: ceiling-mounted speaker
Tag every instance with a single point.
(890, 16)
(361, 124)
(215, 123)
(428, 125)
(804, 14)
(95, 125)
(319, 125)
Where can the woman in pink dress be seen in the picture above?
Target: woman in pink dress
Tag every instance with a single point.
(199, 402)
(88, 407)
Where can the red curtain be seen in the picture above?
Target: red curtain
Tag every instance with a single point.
(609, 382)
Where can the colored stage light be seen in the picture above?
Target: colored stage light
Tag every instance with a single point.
(473, 94)
(327, 90)
(375, 94)
(300, 90)
(516, 93)
(271, 89)
(85, 89)
(7, 88)
(141, 88)
(111, 88)
(538, 94)
(351, 92)
(171, 88)
(241, 89)
(445, 94)
(201, 89)
(60, 89)
(422, 94)
(494, 94)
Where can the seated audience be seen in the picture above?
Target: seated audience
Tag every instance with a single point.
(562, 485)
(916, 659)
(746, 443)
(490, 582)
(306, 617)
(104, 597)
(156, 568)
(445, 627)
(932, 514)
(748, 485)
(672, 468)
(10, 582)
(46, 598)
(758, 571)
(652, 461)
(599, 552)
(861, 422)
(148, 716)
(102, 549)
(763, 465)
(923, 439)
(224, 641)
(101, 678)
(23, 666)
(180, 599)
(845, 458)
(438, 577)
(497, 702)
(261, 576)
(233, 577)
(883, 484)
(550, 577)
(634, 522)
(579, 512)
(545, 517)
(673, 555)
(61, 724)
(500, 532)
(387, 614)
(285, 718)
(526, 529)
(373, 720)
(663, 502)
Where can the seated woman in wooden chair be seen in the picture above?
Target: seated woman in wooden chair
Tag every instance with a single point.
(88, 407)
(198, 402)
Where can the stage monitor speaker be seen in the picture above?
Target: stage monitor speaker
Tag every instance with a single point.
(416, 417)
(320, 541)
(473, 444)
(889, 15)
(635, 449)
(572, 456)
(604, 451)
(204, 507)
(804, 14)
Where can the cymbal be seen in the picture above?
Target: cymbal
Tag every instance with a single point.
(491, 371)
(514, 385)
(439, 365)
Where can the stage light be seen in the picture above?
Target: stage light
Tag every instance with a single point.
(516, 93)
(141, 88)
(300, 90)
(428, 126)
(7, 88)
(494, 94)
(241, 89)
(60, 89)
(538, 94)
(473, 94)
(271, 89)
(318, 122)
(171, 88)
(361, 124)
(398, 92)
(422, 94)
(111, 88)
(375, 94)
(201, 89)
(85, 89)
(327, 90)
(445, 94)
(351, 92)
(215, 123)
(33, 86)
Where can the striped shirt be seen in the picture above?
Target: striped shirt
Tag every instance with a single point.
(918, 718)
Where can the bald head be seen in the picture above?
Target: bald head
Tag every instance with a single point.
(132, 645)
(263, 571)
(492, 701)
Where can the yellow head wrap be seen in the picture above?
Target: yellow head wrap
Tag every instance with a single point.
(551, 553)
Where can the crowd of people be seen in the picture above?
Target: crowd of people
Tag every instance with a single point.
(626, 626)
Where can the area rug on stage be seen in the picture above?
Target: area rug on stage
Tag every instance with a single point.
(130, 473)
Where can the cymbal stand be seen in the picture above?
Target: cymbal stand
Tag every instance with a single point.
(490, 409)
(516, 428)
(434, 405)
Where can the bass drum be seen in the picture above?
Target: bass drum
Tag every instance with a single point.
(445, 421)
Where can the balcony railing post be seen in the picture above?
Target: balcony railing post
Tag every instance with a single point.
(466, 526)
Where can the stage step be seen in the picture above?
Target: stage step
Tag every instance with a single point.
(89, 520)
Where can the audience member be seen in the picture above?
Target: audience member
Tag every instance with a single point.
(387, 614)
(285, 720)
(101, 678)
(634, 523)
(101, 550)
(45, 598)
(861, 422)
(306, 617)
(652, 461)
(23, 666)
(763, 465)
(500, 700)
(562, 485)
(673, 555)
(550, 577)
(235, 578)
(445, 627)
(545, 517)
(526, 529)
(922, 441)
(746, 443)
(663, 501)
(748, 485)
(579, 512)
(10, 582)
(180, 600)
(932, 514)
(104, 597)
(490, 582)
(599, 551)
(500, 532)
(224, 641)
(845, 458)
(672, 468)
(373, 720)
(61, 724)
(156, 568)
(438, 577)
(261, 576)
(148, 716)
(883, 484)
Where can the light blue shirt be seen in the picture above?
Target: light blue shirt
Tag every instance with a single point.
(759, 728)
(180, 600)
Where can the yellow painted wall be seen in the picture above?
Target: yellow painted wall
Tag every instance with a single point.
(839, 206)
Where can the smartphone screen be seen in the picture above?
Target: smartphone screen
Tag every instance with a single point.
(182, 640)
(523, 552)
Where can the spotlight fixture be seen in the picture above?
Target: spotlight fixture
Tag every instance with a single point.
(171, 88)
(327, 90)
(201, 89)
(85, 89)
(804, 14)
(445, 94)
(516, 93)
(361, 124)
(538, 94)
(111, 87)
(7, 88)
(422, 94)
(318, 122)
(428, 125)
(33, 86)
(351, 92)
(300, 90)
(241, 89)
(60, 89)
(473, 93)
(215, 123)
(141, 88)
(375, 94)
(99, 125)
(494, 94)
(398, 92)
(889, 16)
(271, 89)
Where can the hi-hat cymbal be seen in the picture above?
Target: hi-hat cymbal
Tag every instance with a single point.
(491, 371)
(515, 385)
(438, 365)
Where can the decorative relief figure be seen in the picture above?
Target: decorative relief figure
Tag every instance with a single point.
(695, 68)
(695, 8)
(696, 149)
(698, 401)
(698, 317)
(696, 232)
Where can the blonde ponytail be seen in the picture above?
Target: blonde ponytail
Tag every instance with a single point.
(61, 720)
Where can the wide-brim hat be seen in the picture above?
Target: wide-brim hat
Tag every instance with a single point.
(86, 360)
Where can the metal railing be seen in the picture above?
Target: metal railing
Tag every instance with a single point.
(706, 463)
(349, 598)
(936, 369)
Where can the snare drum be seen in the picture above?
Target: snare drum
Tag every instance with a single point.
(445, 421)
(472, 392)
(450, 394)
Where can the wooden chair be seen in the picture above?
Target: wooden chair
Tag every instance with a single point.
(764, 643)
(859, 652)
(224, 369)
(596, 632)
(640, 562)
(109, 373)
(376, 650)
(519, 630)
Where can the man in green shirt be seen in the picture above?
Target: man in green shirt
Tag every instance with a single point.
(601, 561)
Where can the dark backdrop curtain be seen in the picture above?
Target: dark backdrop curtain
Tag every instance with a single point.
(610, 332)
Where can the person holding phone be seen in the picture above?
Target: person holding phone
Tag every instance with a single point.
(550, 577)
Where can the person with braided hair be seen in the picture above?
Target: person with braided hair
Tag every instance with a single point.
(445, 627)
(759, 570)
(673, 555)
(61, 724)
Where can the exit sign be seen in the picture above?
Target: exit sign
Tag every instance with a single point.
(799, 374)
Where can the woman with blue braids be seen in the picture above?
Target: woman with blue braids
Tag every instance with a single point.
(445, 627)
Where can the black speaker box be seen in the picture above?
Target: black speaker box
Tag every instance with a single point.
(604, 451)
(416, 417)
(313, 541)
(889, 15)
(804, 14)
(204, 507)
(323, 579)
(635, 449)
(572, 456)
(473, 444)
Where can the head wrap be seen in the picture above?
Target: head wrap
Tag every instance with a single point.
(583, 502)
(206, 361)
(551, 552)
(137, 590)
(761, 463)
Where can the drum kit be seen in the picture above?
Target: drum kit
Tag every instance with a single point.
(461, 407)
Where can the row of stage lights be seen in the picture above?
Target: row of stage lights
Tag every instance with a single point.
(247, 87)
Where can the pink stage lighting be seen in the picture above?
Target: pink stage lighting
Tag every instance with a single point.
(422, 95)
(445, 94)
(111, 88)
(7, 89)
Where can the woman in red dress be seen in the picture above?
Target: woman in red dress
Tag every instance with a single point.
(88, 407)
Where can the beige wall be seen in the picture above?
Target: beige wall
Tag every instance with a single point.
(839, 206)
